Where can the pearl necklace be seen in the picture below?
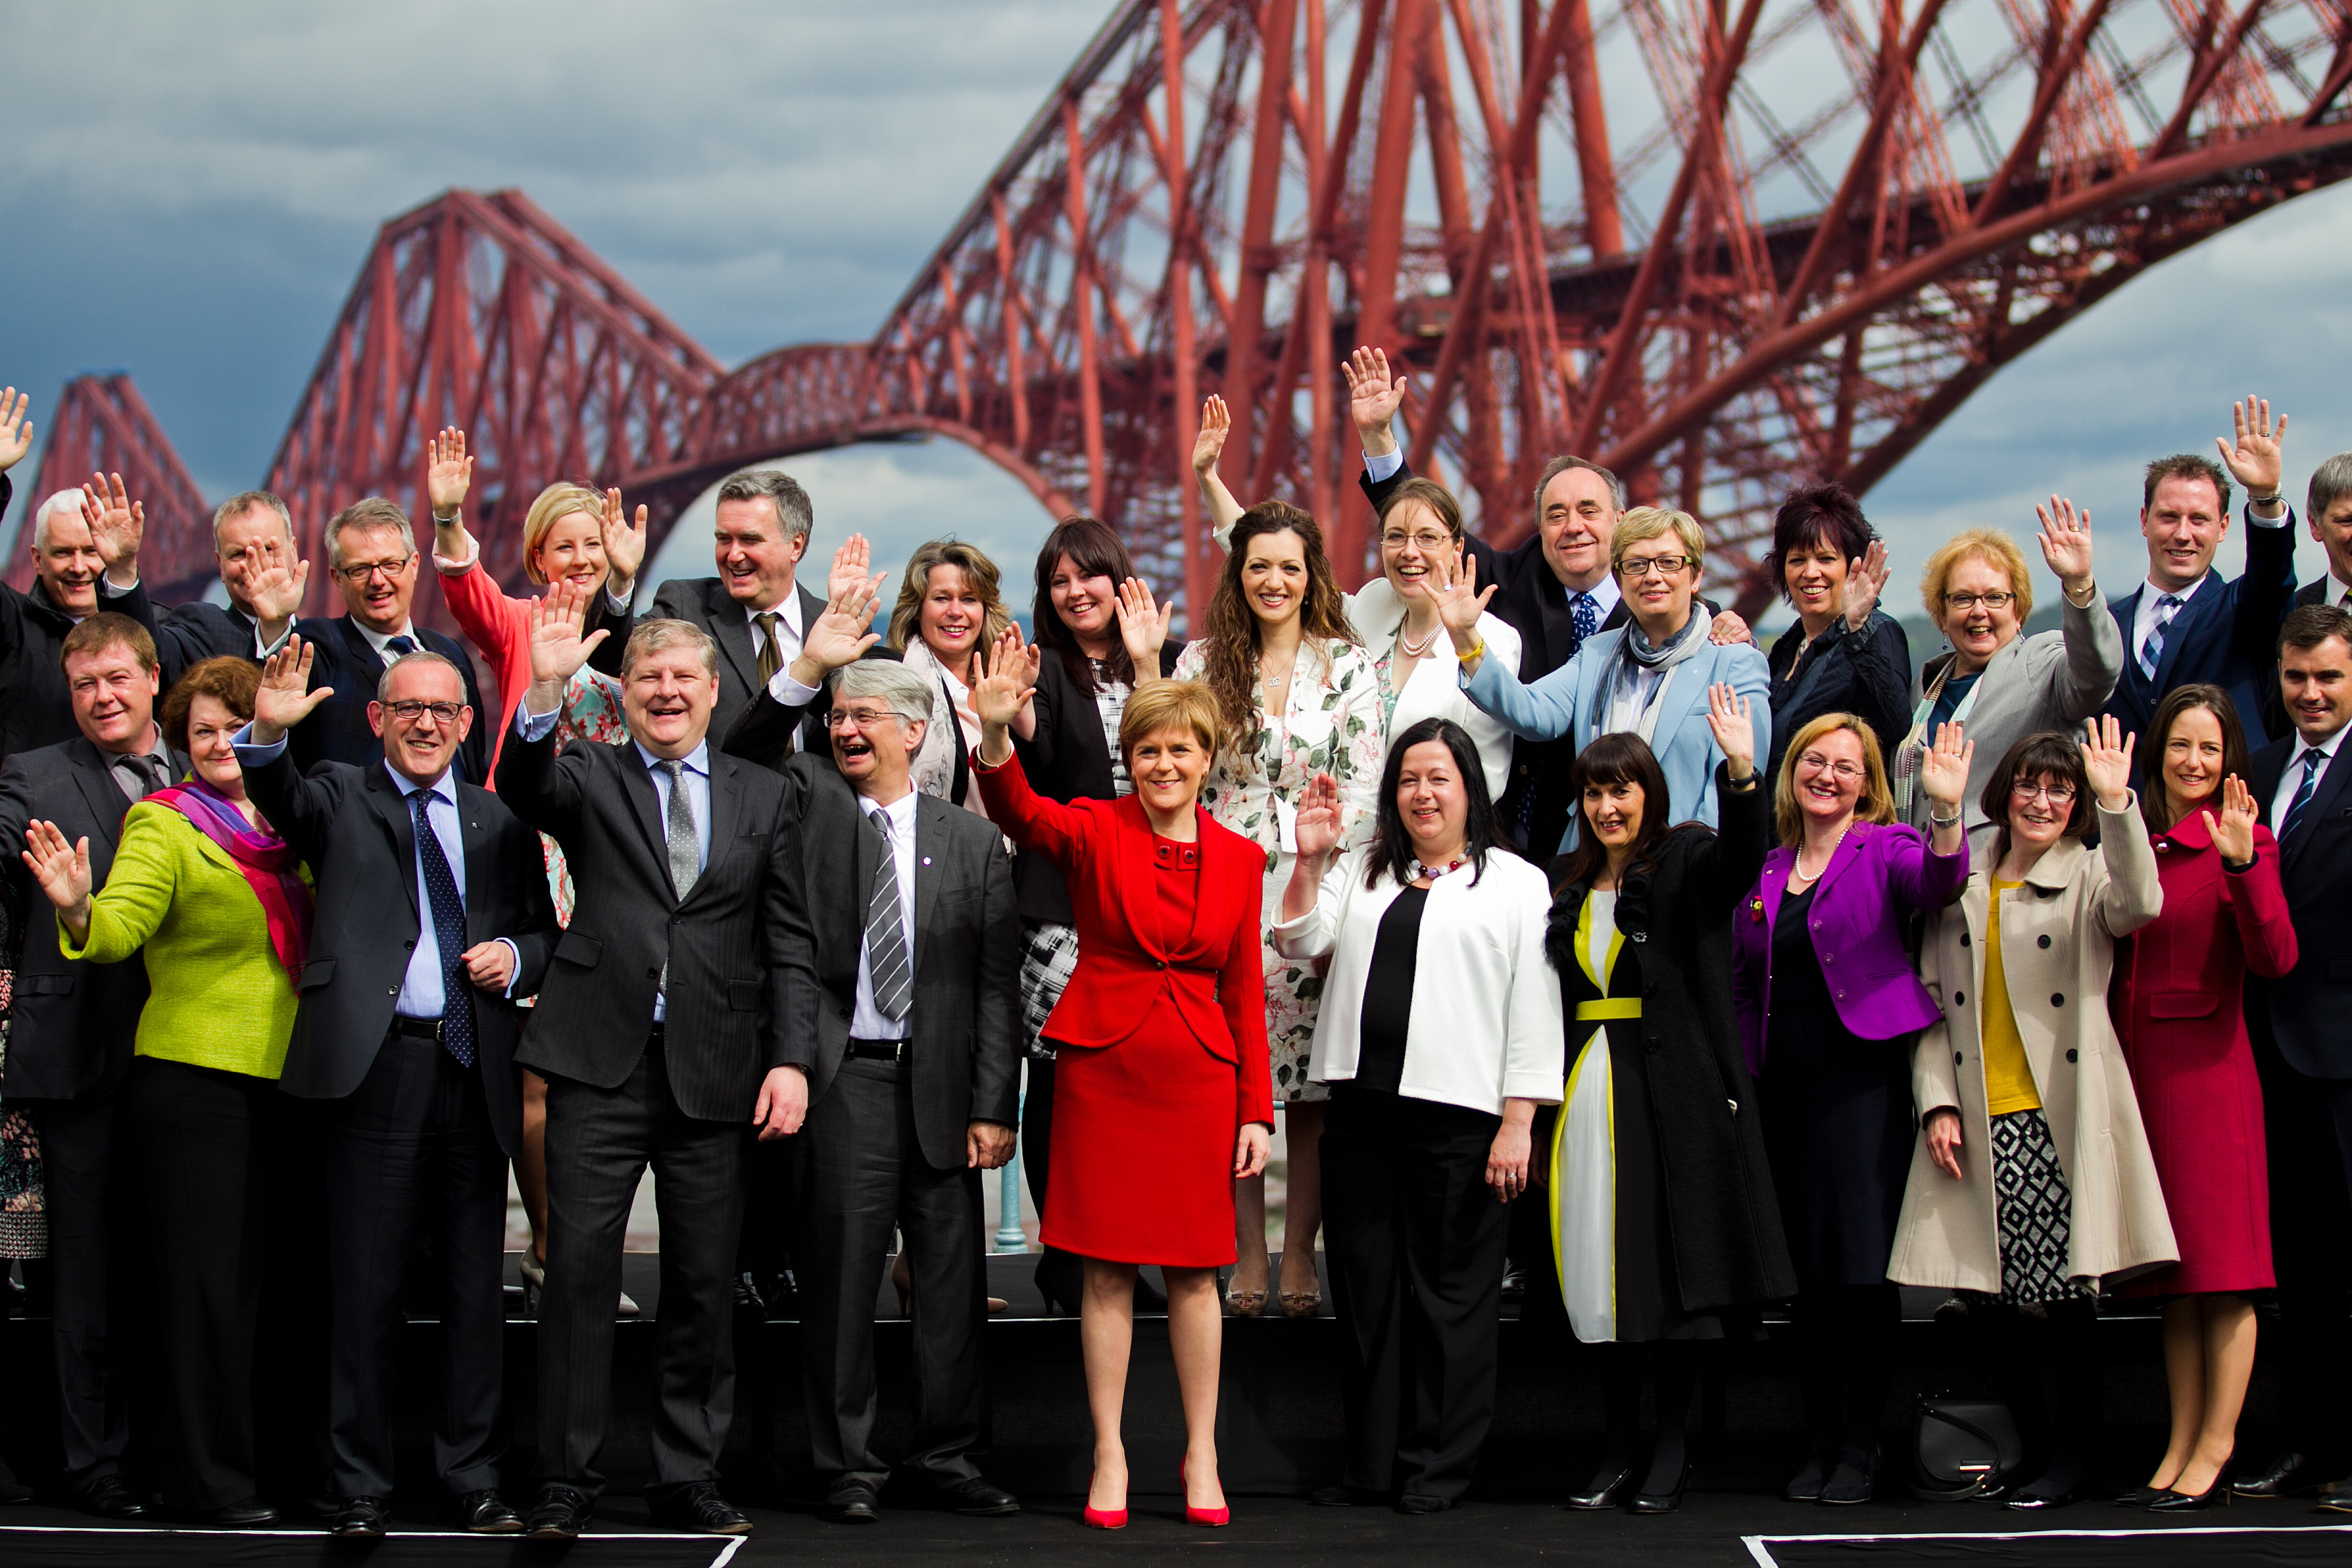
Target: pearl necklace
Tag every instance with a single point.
(1825, 860)
(1412, 649)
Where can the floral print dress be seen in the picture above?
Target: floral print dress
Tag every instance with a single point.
(590, 716)
(1336, 725)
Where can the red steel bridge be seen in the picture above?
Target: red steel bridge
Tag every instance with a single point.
(1722, 245)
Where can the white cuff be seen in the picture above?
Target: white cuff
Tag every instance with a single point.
(791, 692)
(2285, 516)
(531, 726)
(1384, 466)
(450, 566)
(251, 751)
(508, 942)
(107, 590)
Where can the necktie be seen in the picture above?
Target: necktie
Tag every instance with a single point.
(2153, 650)
(771, 657)
(2312, 758)
(400, 647)
(149, 771)
(1587, 615)
(685, 849)
(448, 912)
(885, 937)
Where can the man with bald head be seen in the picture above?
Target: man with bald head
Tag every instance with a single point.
(432, 917)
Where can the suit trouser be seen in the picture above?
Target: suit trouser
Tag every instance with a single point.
(202, 1137)
(412, 1146)
(860, 1170)
(87, 1168)
(2307, 1123)
(599, 1143)
(1416, 1249)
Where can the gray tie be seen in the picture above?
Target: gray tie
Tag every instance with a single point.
(885, 935)
(148, 773)
(685, 849)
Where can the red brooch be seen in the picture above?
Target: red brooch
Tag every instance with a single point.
(1756, 910)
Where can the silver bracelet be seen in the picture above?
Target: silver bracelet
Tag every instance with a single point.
(1951, 821)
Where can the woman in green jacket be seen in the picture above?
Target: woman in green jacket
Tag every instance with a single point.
(220, 910)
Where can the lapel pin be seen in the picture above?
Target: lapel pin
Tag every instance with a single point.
(926, 859)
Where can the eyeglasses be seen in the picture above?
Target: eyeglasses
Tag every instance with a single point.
(1994, 601)
(1665, 566)
(409, 711)
(359, 571)
(1820, 764)
(857, 717)
(2055, 793)
(1426, 540)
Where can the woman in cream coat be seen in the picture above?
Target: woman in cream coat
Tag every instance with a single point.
(2033, 1180)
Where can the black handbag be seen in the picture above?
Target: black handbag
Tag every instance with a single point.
(1962, 1446)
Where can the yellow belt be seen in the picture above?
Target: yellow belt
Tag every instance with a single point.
(1607, 1007)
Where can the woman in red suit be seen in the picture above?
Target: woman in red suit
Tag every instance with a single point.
(2176, 1003)
(1162, 1094)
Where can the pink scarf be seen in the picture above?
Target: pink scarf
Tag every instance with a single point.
(269, 863)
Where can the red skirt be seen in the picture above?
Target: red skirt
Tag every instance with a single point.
(1143, 1151)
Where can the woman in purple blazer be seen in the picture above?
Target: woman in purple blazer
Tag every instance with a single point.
(1828, 1008)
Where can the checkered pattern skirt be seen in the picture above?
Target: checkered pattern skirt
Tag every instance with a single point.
(1049, 956)
(2034, 1211)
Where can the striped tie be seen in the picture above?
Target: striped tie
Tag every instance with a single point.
(2312, 757)
(2153, 650)
(886, 936)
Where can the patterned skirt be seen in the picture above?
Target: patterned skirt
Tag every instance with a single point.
(1049, 956)
(24, 1207)
(2034, 1211)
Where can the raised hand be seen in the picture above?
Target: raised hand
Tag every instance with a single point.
(2233, 831)
(1143, 626)
(557, 649)
(1216, 424)
(1001, 694)
(15, 430)
(1317, 825)
(63, 871)
(1944, 769)
(839, 637)
(285, 698)
(1459, 600)
(2255, 459)
(1732, 719)
(2106, 759)
(850, 564)
(276, 591)
(116, 524)
(2065, 541)
(1865, 579)
(1373, 399)
(448, 473)
(625, 546)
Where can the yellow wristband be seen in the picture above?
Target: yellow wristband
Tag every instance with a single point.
(1479, 652)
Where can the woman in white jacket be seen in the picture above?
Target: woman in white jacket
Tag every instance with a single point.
(1440, 1034)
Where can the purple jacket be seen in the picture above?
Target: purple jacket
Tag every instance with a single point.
(1876, 873)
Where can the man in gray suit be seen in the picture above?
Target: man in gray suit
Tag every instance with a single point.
(678, 1014)
(913, 1091)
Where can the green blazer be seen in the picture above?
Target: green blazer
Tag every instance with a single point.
(217, 996)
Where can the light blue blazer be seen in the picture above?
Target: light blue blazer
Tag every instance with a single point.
(1570, 698)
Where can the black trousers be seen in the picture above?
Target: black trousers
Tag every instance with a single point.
(412, 1147)
(2308, 1127)
(88, 1174)
(1417, 1241)
(599, 1143)
(203, 1144)
(859, 1171)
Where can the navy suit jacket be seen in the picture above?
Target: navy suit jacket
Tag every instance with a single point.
(2303, 1011)
(337, 730)
(2226, 636)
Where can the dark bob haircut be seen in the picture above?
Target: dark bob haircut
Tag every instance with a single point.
(2155, 803)
(1824, 513)
(1619, 759)
(1392, 852)
(1097, 552)
(2045, 755)
(230, 681)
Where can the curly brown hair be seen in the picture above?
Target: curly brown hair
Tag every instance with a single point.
(232, 681)
(1229, 632)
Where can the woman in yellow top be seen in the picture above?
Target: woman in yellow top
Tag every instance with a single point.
(2032, 1180)
(218, 906)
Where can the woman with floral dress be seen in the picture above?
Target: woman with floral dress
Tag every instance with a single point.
(1299, 696)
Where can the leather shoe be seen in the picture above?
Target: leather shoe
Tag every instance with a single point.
(486, 1513)
(978, 1498)
(361, 1519)
(1665, 1502)
(108, 1497)
(2287, 1474)
(2336, 1502)
(244, 1514)
(850, 1505)
(1422, 1502)
(1855, 1481)
(1608, 1490)
(559, 1513)
(698, 1506)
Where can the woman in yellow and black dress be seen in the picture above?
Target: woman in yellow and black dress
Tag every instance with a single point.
(1662, 1205)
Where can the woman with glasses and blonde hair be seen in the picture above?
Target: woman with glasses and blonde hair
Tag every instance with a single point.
(1827, 1011)
(2032, 1182)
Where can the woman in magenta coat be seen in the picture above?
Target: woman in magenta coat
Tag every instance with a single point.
(1828, 1008)
(2176, 1008)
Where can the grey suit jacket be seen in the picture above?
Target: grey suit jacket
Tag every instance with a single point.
(965, 1051)
(72, 1023)
(706, 602)
(743, 982)
(2051, 681)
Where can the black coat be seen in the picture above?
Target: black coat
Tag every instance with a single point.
(195, 633)
(1676, 916)
(34, 708)
(2304, 1010)
(1866, 674)
(337, 730)
(705, 602)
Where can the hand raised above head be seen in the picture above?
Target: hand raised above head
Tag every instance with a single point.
(1142, 625)
(116, 522)
(839, 637)
(2107, 760)
(625, 545)
(1373, 398)
(285, 698)
(1865, 580)
(557, 647)
(449, 473)
(1000, 695)
(2256, 458)
(851, 562)
(1216, 424)
(1944, 768)
(2065, 541)
(1730, 717)
(16, 431)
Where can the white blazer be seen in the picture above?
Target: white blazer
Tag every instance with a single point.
(1485, 1023)
(1435, 689)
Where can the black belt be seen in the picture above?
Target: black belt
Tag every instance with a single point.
(878, 1050)
(416, 1029)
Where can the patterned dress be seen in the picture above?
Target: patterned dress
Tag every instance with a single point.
(591, 715)
(1334, 724)
(23, 1215)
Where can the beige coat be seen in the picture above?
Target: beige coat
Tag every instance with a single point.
(2057, 945)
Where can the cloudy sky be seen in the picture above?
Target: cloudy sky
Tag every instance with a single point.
(186, 192)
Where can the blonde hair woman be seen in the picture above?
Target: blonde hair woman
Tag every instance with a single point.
(949, 609)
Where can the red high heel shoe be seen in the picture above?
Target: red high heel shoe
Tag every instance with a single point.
(1208, 1518)
(1102, 1517)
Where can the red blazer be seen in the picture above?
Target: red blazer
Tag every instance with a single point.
(1207, 981)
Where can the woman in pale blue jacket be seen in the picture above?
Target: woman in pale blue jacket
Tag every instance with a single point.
(1649, 677)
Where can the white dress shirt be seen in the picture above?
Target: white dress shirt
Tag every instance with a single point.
(788, 633)
(867, 1022)
(2144, 620)
(2292, 779)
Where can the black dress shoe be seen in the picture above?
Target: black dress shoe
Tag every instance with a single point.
(2038, 1495)
(1422, 1502)
(978, 1498)
(1515, 1284)
(108, 1497)
(747, 1295)
(361, 1519)
(2139, 1497)
(247, 1514)
(2336, 1502)
(2173, 1500)
(1855, 1481)
(1806, 1485)
(1667, 1501)
(1609, 1489)
(850, 1505)
(486, 1513)
(2284, 1475)
(698, 1506)
(559, 1513)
